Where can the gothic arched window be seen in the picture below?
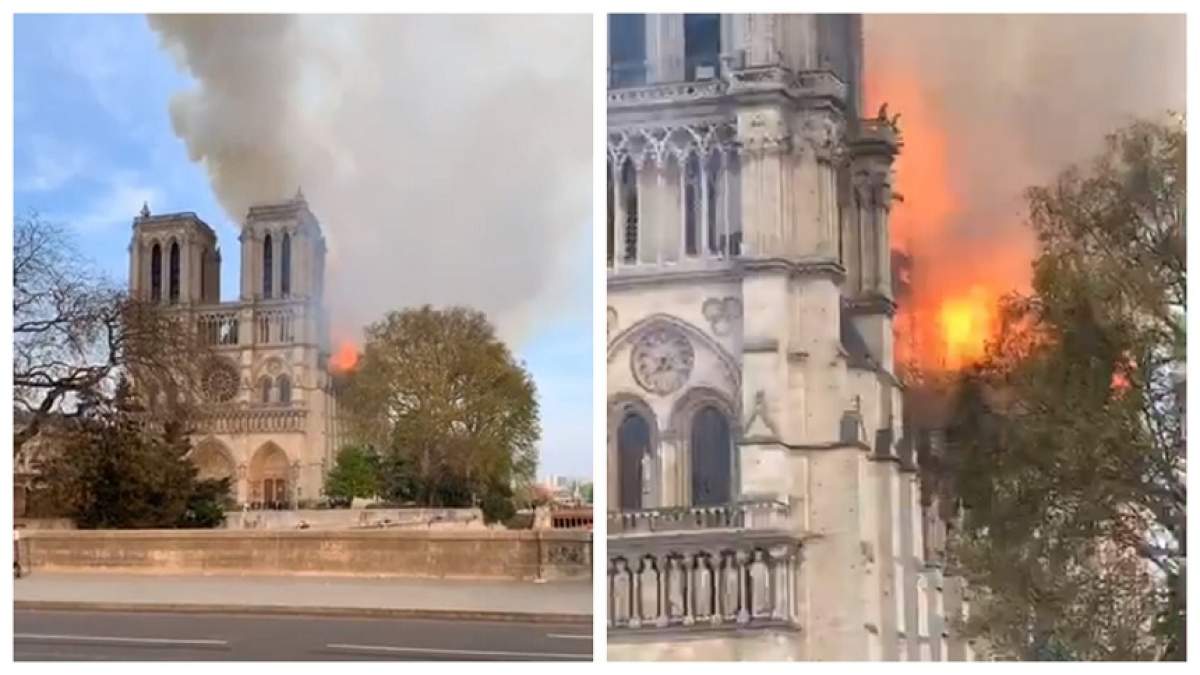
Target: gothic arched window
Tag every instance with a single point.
(629, 196)
(711, 450)
(610, 227)
(712, 186)
(633, 444)
(204, 274)
(156, 273)
(173, 289)
(267, 278)
(285, 389)
(264, 389)
(692, 205)
(285, 266)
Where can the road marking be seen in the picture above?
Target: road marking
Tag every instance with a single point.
(564, 636)
(455, 652)
(118, 640)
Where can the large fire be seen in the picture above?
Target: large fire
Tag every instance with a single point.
(344, 358)
(957, 276)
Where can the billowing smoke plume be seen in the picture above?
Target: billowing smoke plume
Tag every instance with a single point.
(990, 105)
(448, 158)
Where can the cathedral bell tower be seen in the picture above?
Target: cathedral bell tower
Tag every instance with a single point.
(283, 252)
(174, 259)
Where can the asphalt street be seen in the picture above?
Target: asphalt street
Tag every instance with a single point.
(162, 636)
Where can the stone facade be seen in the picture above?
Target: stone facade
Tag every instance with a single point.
(271, 419)
(766, 501)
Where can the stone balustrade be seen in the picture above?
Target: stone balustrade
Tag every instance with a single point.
(703, 566)
(766, 513)
(703, 582)
(255, 419)
(672, 92)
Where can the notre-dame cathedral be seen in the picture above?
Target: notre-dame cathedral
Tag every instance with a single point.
(764, 495)
(270, 422)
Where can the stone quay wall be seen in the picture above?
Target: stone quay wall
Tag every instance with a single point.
(341, 519)
(485, 554)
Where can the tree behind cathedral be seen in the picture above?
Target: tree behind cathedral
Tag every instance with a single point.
(453, 416)
(1070, 455)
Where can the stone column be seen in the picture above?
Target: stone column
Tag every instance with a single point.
(618, 216)
(741, 562)
(249, 261)
(780, 562)
(664, 47)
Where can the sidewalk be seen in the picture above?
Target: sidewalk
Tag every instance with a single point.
(329, 596)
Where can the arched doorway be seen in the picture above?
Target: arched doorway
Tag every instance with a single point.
(711, 449)
(214, 462)
(633, 446)
(269, 478)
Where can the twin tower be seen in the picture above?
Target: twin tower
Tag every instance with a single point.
(270, 414)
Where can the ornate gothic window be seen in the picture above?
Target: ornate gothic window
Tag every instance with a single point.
(221, 381)
(285, 389)
(633, 451)
(629, 197)
(285, 266)
(264, 389)
(156, 273)
(204, 274)
(711, 449)
(173, 292)
(267, 278)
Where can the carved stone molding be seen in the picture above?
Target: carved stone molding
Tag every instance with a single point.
(722, 313)
(662, 359)
(823, 136)
(662, 143)
(612, 325)
(760, 425)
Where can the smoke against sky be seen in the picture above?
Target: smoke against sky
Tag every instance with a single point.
(990, 105)
(447, 157)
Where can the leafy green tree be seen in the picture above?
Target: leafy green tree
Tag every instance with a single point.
(122, 468)
(454, 415)
(1069, 455)
(355, 474)
(206, 505)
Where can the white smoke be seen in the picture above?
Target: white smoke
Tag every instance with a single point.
(448, 158)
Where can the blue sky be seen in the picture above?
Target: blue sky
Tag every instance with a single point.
(93, 140)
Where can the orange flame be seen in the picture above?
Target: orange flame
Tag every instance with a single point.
(344, 358)
(966, 322)
(957, 275)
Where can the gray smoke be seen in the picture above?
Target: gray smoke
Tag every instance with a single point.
(447, 157)
(1020, 98)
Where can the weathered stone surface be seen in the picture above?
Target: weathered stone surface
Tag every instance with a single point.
(485, 554)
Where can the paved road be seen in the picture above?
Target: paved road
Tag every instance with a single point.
(465, 595)
(154, 636)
